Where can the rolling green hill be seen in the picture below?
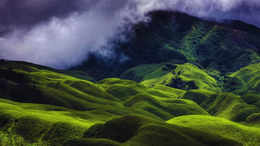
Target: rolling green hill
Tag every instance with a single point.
(43, 106)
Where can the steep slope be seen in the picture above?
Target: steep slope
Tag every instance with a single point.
(226, 105)
(225, 47)
(206, 89)
(182, 76)
(180, 38)
(246, 79)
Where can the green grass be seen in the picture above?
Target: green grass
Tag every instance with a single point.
(249, 136)
(39, 124)
(165, 91)
(36, 84)
(43, 106)
(184, 75)
(140, 131)
(160, 101)
(40, 106)
(122, 89)
(46, 86)
(246, 79)
(192, 40)
(226, 105)
(145, 72)
(164, 108)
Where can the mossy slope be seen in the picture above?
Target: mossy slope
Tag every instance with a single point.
(32, 124)
(41, 106)
(137, 131)
(247, 135)
(182, 76)
(226, 105)
(246, 79)
(31, 83)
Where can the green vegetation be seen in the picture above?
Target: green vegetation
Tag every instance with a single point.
(247, 79)
(227, 105)
(137, 131)
(23, 123)
(44, 107)
(186, 76)
(160, 101)
(148, 71)
(39, 85)
(249, 136)
(252, 98)
(179, 38)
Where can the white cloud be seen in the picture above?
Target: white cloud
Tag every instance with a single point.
(65, 42)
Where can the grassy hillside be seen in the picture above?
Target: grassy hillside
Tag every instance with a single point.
(29, 124)
(137, 131)
(181, 76)
(153, 100)
(245, 80)
(227, 105)
(46, 98)
(249, 136)
(41, 106)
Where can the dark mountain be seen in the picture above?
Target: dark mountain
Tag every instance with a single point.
(180, 38)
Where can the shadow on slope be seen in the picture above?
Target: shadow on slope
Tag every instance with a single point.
(227, 105)
(137, 131)
(243, 134)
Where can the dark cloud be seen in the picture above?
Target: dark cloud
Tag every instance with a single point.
(27, 13)
(61, 33)
(60, 41)
(244, 10)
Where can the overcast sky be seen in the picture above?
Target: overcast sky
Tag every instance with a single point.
(61, 33)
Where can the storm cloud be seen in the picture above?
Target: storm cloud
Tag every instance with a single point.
(61, 33)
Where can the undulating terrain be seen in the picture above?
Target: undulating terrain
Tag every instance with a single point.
(185, 82)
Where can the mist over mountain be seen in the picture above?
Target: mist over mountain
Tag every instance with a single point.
(61, 33)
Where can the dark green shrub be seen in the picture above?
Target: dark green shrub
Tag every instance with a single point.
(253, 118)
(62, 132)
(30, 128)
